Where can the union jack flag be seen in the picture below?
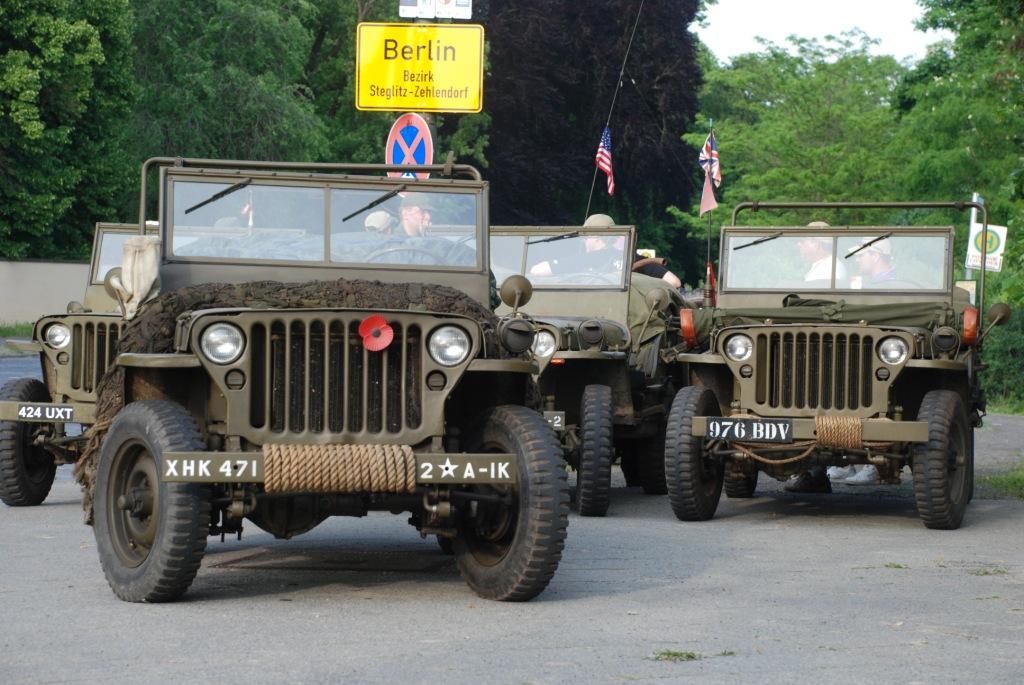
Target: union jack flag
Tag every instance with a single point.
(604, 158)
(709, 159)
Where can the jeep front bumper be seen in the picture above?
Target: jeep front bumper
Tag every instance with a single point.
(872, 430)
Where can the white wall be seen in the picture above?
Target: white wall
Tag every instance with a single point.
(31, 289)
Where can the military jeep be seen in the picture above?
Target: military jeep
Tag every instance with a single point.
(75, 349)
(601, 330)
(272, 380)
(831, 345)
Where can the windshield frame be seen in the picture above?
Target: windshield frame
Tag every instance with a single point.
(326, 182)
(836, 232)
(536, 232)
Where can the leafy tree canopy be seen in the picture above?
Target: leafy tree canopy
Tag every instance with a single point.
(65, 88)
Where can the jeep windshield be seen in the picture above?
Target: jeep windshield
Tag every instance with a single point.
(317, 224)
(862, 260)
(562, 258)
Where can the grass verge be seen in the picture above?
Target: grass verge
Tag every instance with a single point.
(15, 330)
(1010, 483)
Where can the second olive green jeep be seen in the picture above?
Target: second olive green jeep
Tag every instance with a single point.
(602, 330)
(831, 346)
(75, 350)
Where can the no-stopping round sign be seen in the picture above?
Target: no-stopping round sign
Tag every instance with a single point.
(409, 142)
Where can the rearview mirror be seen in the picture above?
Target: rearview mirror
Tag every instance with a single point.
(998, 314)
(516, 291)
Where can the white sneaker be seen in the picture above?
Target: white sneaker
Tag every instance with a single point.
(840, 473)
(867, 475)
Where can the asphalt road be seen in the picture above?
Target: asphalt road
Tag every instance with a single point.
(845, 588)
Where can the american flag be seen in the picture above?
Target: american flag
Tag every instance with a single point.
(709, 159)
(604, 158)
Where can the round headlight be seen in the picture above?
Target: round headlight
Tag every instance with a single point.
(222, 343)
(893, 351)
(543, 344)
(58, 336)
(449, 345)
(739, 347)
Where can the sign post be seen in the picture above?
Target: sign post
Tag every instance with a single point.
(420, 67)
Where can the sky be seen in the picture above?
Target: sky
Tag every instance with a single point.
(732, 25)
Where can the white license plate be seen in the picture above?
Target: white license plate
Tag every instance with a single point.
(750, 430)
(62, 413)
(465, 469)
(209, 467)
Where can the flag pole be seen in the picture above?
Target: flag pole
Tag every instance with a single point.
(615, 96)
(708, 293)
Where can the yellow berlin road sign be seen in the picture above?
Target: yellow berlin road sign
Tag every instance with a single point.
(420, 67)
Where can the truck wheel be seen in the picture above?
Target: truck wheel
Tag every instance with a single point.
(26, 469)
(594, 475)
(509, 550)
(694, 479)
(943, 467)
(740, 485)
(150, 535)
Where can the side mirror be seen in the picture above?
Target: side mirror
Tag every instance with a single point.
(112, 284)
(516, 291)
(998, 314)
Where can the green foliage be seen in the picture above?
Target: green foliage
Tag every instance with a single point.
(1011, 484)
(16, 330)
(962, 125)
(810, 125)
(225, 79)
(65, 87)
(1004, 360)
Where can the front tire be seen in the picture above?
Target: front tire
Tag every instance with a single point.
(694, 479)
(944, 466)
(594, 475)
(27, 470)
(151, 535)
(509, 552)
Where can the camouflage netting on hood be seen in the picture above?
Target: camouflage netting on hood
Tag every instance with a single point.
(152, 331)
(929, 315)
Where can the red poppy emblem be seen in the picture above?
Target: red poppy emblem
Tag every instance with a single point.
(376, 332)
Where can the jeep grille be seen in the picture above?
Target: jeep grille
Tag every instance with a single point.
(316, 376)
(93, 348)
(814, 370)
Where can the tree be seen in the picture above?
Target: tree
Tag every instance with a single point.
(554, 68)
(224, 78)
(962, 125)
(65, 88)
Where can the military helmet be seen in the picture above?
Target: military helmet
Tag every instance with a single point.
(598, 220)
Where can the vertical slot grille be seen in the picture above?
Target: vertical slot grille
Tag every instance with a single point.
(93, 348)
(316, 376)
(817, 370)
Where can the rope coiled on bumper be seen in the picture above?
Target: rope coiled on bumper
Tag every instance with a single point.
(339, 468)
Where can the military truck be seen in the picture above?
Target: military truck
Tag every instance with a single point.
(304, 360)
(832, 345)
(75, 349)
(601, 330)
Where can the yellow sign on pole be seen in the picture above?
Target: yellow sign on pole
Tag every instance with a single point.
(420, 67)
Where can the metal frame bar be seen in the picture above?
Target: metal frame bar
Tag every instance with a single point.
(756, 206)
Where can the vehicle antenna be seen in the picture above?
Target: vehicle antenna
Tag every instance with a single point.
(615, 95)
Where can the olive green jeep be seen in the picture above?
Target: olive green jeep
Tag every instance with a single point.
(322, 344)
(831, 346)
(75, 349)
(601, 332)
